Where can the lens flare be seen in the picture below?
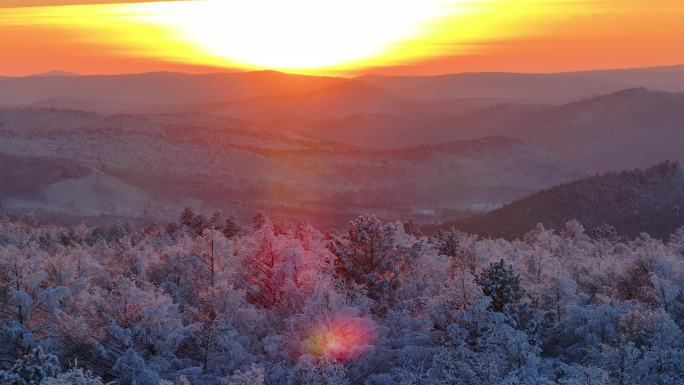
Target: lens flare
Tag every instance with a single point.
(340, 339)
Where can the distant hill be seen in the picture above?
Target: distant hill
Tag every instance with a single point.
(650, 200)
(179, 160)
(179, 92)
(340, 101)
(185, 91)
(55, 73)
(337, 100)
(28, 176)
(622, 130)
(532, 87)
(596, 119)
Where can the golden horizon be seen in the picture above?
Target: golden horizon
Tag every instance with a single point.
(340, 38)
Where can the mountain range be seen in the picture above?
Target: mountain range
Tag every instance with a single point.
(432, 147)
(152, 165)
(623, 130)
(174, 89)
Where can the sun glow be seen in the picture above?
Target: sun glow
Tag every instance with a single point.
(307, 35)
(298, 34)
(337, 37)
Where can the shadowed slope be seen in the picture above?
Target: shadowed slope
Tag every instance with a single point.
(649, 200)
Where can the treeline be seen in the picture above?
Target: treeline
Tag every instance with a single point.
(202, 301)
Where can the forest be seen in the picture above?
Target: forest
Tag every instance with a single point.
(207, 301)
(635, 201)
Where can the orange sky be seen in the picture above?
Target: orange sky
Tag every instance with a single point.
(339, 37)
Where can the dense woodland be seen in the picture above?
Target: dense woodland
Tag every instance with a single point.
(203, 301)
(631, 202)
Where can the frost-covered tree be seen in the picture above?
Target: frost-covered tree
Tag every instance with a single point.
(373, 304)
(501, 283)
(75, 376)
(315, 371)
(230, 228)
(254, 376)
(131, 369)
(374, 256)
(33, 368)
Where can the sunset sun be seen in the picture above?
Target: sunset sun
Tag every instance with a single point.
(302, 34)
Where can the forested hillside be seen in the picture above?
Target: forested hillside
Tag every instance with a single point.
(618, 131)
(629, 202)
(73, 165)
(205, 302)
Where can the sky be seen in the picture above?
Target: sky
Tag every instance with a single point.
(331, 37)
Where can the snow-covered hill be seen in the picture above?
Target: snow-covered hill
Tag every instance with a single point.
(159, 163)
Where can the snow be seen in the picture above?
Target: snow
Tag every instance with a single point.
(372, 304)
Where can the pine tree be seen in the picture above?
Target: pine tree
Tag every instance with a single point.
(230, 228)
(186, 217)
(369, 255)
(33, 368)
(501, 283)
